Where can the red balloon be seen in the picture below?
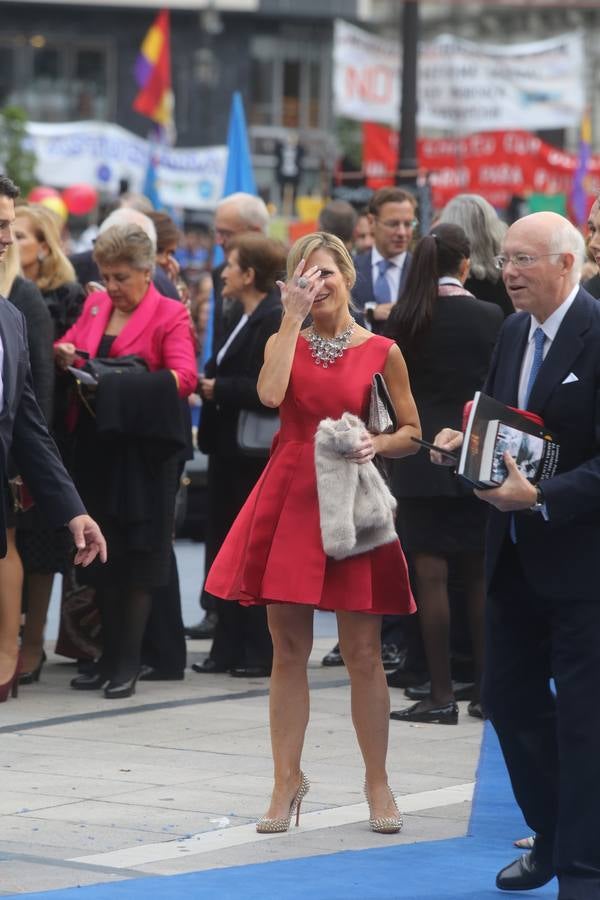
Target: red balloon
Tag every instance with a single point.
(80, 198)
(39, 193)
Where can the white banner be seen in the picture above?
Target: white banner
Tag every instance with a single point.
(463, 86)
(102, 154)
(366, 75)
(468, 87)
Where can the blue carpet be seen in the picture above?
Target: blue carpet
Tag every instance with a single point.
(456, 869)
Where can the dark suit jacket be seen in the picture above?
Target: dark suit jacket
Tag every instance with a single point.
(28, 300)
(362, 292)
(446, 366)
(236, 377)
(24, 434)
(592, 286)
(561, 557)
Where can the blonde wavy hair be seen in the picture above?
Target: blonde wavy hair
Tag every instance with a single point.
(55, 269)
(10, 267)
(322, 240)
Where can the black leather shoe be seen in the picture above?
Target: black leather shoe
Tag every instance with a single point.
(391, 656)
(118, 690)
(93, 682)
(204, 629)
(250, 672)
(34, 674)
(461, 690)
(402, 678)
(438, 715)
(526, 873)
(475, 710)
(149, 673)
(209, 667)
(333, 658)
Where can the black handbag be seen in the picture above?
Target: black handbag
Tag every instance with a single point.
(255, 431)
(119, 365)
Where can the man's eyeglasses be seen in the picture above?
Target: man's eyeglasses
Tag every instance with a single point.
(520, 260)
(395, 224)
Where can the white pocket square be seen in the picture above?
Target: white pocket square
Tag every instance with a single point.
(571, 377)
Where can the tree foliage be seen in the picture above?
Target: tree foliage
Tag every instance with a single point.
(17, 160)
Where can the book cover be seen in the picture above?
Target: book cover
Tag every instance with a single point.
(492, 428)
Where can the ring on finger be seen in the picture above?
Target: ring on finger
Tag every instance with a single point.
(303, 282)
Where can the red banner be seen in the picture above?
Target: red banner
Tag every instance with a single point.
(495, 164)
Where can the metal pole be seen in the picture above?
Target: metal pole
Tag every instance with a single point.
(407, 161)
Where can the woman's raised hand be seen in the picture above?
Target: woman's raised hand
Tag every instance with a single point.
(297, 295)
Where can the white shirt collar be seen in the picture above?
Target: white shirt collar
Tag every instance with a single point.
(376, 257)
(553, 322)
(448, 279)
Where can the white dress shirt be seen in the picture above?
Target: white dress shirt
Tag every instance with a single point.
(550, 328)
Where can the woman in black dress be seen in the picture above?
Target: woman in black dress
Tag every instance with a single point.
(446, 336)
(44, 551)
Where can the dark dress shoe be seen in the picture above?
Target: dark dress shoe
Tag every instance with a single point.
(461, 690)
(526, 873)
(209, 667)
(437, 715)
(250, 672)
(149, 673)
(117, 690)
(204, 629)
(402, 678)
(333, 658)
(391, 656)
(92, 682)
(475, 709)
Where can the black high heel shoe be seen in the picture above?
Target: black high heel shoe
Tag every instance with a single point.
(11, 686)
(117, 690)
(34, 675)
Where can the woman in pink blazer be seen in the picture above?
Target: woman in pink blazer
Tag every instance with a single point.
(126, 443)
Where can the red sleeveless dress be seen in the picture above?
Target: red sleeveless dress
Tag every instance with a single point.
(274, 552)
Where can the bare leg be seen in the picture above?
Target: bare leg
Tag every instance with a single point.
(11, 589)
(291, 628)
(360, 643)
(434, 618)
(39, 589)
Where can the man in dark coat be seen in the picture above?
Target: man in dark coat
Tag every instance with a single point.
(543, 562)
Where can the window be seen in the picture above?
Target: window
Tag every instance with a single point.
(288, 78)
(56, 81)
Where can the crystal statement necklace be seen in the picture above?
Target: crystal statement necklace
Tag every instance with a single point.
(326, 350)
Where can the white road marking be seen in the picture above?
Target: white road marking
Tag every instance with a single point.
(222, 838)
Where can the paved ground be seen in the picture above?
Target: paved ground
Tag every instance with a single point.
(173, 779)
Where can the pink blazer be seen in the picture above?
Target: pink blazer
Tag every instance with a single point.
(159, 330)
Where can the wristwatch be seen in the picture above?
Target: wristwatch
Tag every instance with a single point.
(539, 500)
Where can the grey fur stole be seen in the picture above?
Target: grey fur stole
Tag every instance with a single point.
(355, 505)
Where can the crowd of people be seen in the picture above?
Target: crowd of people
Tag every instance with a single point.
(299, 338)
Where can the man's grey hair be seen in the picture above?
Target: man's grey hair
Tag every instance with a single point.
(251, 210)
(128, 216)
(567, 239)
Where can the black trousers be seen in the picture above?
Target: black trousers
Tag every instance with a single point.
(164, 645)
(551, 742)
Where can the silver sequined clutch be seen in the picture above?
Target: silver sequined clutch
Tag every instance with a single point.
(382, 415)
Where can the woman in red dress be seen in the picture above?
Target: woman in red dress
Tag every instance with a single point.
(274, 552)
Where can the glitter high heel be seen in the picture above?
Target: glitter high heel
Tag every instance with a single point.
(276, 826)
(385, 824)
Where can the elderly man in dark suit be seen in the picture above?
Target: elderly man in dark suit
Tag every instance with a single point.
(543, 562)
(24, 438)
(381, 271)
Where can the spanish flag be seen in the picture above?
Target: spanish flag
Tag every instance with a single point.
(153, 74)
